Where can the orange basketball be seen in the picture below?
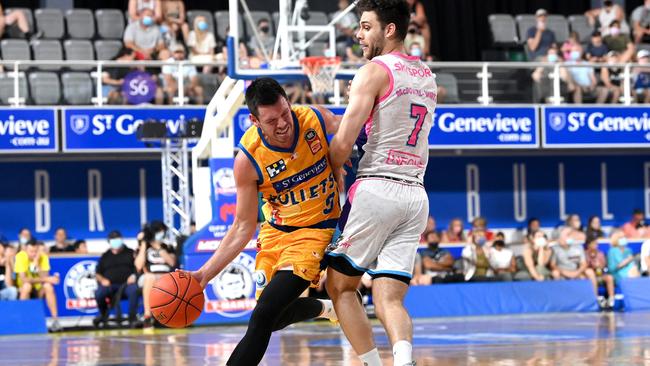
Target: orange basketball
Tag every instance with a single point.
(176, 299)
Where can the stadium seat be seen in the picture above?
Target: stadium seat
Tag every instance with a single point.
(44, 88)
(79, 49)
(222, 18)
(28, 14)
(107, 49)
(110, 23)
(50, 22)
(317, 18)
(80, 23)
(580, 24)
(191, 14)
(7, 87)
(15, 50)
(504, 29)
(524, 22)
(450, 83)
(45, 50)
(560, 26)
(77, 88)
(210, 84)
(256, 15)
(317, 48)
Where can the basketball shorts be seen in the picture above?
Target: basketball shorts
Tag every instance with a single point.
(302, 249)
(383, 229)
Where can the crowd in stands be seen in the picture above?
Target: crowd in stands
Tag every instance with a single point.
(567, 252)
(613, 41)
(121, 272)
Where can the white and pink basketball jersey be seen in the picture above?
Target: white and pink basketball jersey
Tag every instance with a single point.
(399, 124)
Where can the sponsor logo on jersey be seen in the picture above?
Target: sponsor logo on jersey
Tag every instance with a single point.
(302, 176)
(313, 141)
(276, 168)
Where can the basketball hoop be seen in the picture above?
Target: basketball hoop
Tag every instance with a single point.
(321, 71)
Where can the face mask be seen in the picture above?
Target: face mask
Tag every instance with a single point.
(115, 243)
(481, 241)
(147, 21)
(575, 56)
(615, 31)
(264, 29)
(159, 236)
(539, 242)
(622, 242)
(22, 240)
(570, 241)
(329, 53)
(203, 26)
(552, 57)
(541, 24)
(416, 52)
(163, 29)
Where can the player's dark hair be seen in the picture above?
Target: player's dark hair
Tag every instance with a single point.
(389, 11)
(263, 91)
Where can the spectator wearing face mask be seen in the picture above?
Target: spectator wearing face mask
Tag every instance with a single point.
(605, 15)
(480, 224)
(137, 6)
(574, 226)
(620, 260)
(641, 76)
(619, 42)
(202, 43)
(538, 38)
(476, 265)
(413, 36)
(542, 82)
(144, 36)
(502, 261)
(535, 259)
(437, 263)
(24, 236)
(569, 260)
(116, 269)
(266, 39)
(582, 79)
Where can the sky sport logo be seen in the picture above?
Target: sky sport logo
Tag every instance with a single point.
(79, 123)
(557, 121)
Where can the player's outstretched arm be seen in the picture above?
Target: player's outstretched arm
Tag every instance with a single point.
(367, 86)
(243, 227)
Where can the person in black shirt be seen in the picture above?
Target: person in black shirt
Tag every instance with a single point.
(113, 77)
(154, 259)
(61, 244)
(8, 290)
(437, 263)
(116, 268)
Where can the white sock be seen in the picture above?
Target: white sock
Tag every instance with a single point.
(328, 310)
(371, 358)
(402, 353)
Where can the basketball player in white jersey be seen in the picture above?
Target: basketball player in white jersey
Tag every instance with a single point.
(394, 97)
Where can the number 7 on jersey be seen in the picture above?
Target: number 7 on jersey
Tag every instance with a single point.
(419, 113)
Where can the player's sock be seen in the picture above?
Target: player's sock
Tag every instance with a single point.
(402, 353)
(371, 358)
(328, 310)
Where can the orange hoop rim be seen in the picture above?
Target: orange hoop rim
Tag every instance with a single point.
(313, 63)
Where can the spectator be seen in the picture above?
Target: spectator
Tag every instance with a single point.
(596, 49)
(413, 36)
(415, 49)
(32, 267)
(476, 266)
(542, 87)
(24, 236)
(480, 224)
(266, 40)
(500, 236)
(116, 269)
(574, 224)
(455, 232)
(597, 262)
(201, 43)
(612, 77)
(193, 88)
(437, 263)
(572, 43)
(641, 76)
(17, 20)
(7, 289)
(61, 244)
(137, 6)
(80, 247)
(431, 227)
(502, 261)
(644, 257)
(536, 258)
(538, 38)
(419, 17)
(346, 28)
(594, 230)
(640, 19)
(620, 259)
(582, 79)
(606, 15)
(619, 42)
(154, 259)
(144, 37)
(173, 14)
(569, 260)
(169, 38)
(534, 225)
(113, 77)
(636, 228)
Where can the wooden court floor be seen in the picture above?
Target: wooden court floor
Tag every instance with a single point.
(541, 339)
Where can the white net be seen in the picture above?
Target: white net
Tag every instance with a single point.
(321, 72)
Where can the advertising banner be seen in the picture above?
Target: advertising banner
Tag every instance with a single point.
(28, 130)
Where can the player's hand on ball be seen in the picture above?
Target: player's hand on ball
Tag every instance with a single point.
(197, 276)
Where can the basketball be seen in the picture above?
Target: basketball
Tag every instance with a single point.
(176, 300)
